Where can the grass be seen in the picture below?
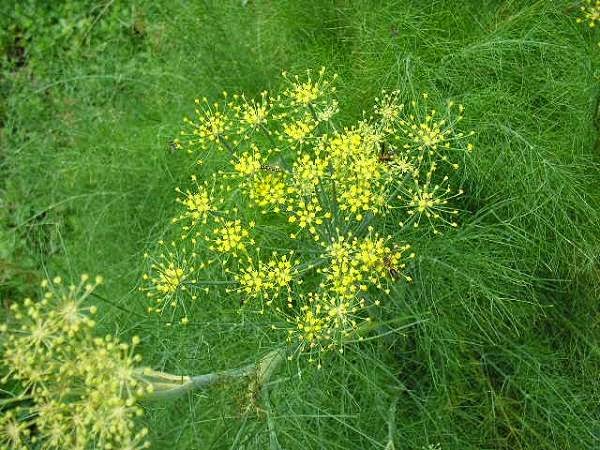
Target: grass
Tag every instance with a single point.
(505, 352)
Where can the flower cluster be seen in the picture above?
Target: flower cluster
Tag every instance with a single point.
(427, 200)
(298, 214)
(324, 321)
(78, 391)
(230, 236)
(198, 205)
(251, 115)
(590, 13)
(431, 133)
(170, 273)
(212, 125)
(305, 94)
(258, 279)
(355, 264)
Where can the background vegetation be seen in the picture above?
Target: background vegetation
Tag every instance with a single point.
(506, 352)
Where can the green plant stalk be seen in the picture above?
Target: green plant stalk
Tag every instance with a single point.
(166, 386)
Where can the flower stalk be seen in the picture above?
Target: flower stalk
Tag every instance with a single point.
(166, 386)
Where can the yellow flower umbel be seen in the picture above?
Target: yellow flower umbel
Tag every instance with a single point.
(81, 390)
(198, 205)
(343, 148)
(325, 322)
(212, 126)
(429, 200)
(310, 93)
(590, 12)
(359, 175)
(429, 133)
(325, 193)
(230, 237)
(308, 172)
(269, 191)
(388, 108)
(252, 115)
(360, 188)
(15, 431)
(342, 276)
(171, 279)
(305, 103)
(249, 163)
(308, 216)
(266, 280)
(355, 264)
(298, 131)
(311, 325)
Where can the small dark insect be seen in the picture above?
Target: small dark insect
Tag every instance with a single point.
(271, 168)
(387, 157)
(384, 154)
(393, 271)
(382, 148)
(174, 145)
(139, 27)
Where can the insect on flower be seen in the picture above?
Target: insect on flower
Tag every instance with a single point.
(391, 268)
(271, 168)
(385, 155)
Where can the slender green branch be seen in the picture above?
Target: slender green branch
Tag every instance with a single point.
(20, 398)
(313, 113)
(269, 135)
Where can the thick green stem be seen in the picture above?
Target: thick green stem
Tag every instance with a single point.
(166, 386)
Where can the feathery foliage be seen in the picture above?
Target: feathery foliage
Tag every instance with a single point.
(495, 342)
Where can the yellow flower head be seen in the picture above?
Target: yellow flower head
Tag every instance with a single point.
(309, 215)
(281, 271)
(345, 147)
(432, 133)
(230, 237)
(82, 390)
(270, 191)
(590, 13)
(311, 325)
(14, 432)
(212, 125)
(170, 279)
(253, 281)
(308, 91)
(308, 172)
(249, 163)
(428, 200)
(360, 195)
(388, 108)
(253, 113)
(297, 132)
(198, 204)
(357, 263)
(266, 280)
(325, 322)
(342, 276)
